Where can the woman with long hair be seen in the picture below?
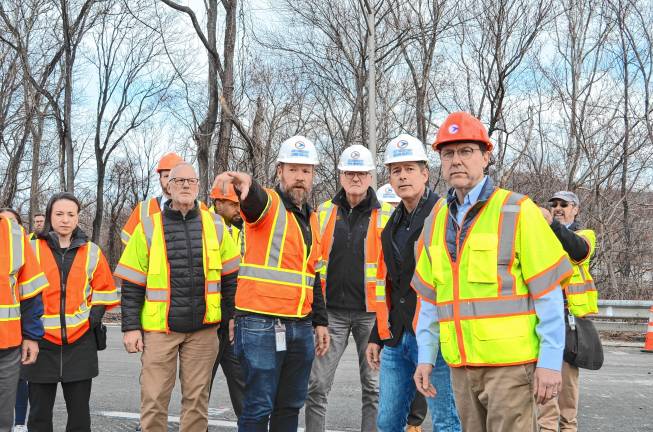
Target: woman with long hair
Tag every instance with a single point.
(81, 289)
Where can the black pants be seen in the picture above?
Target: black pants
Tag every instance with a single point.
(231, 369)
(41, 399)
(418, 410)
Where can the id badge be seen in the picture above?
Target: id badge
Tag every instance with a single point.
(572, 321)
(280, 336)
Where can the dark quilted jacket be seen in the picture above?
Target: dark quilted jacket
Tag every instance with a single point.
(183, 236)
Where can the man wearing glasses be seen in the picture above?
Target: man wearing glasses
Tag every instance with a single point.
(350, 230)
(488, 274)
(580, 300)
(177, 268)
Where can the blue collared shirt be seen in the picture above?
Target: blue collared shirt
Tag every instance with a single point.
(470, 199)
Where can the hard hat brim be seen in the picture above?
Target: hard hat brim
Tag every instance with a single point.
(296, 161)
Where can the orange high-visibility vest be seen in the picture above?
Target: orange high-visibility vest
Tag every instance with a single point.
(20, 279)
(89, 283)
(276, 273)
(378, 218)
(142, 210)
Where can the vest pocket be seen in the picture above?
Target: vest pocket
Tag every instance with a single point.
(482, 258)
(500, 328)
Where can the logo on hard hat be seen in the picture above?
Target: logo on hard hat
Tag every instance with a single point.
(453, 129)
(402, 144)
(355, 155)
(300, 145)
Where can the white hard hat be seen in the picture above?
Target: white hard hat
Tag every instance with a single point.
(404, 148)
(298, 150)
(387, 194)
(356, 158)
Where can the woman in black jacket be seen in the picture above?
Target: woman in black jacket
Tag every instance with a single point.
(81, 288)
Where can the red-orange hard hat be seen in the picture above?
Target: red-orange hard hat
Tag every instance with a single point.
(168, 162)
(462, 127)
(230, 195)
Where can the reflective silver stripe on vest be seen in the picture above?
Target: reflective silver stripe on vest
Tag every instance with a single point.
(231, 265)
(124, 237)
(507, 231)
(423, 289)
(148, 230)
(27, 289)
(277, 237)
(129, 274)
(380, 290)
(213, 287)
(473, 309)
(72, 320)
(160, 295)
(328, 211)
(105, 297)
(218, 225)
(17, 247)
(10, 312)
(541, 283)
(383, 214)
(273, 276)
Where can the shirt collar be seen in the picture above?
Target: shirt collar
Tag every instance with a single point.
(472, 196)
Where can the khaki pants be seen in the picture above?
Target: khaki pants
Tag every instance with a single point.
(561, 411)
(495, 399)
(197, 352)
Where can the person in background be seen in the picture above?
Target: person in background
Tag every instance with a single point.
(225, 204)
(580, 300)
(38, 222)
(31, 321)
(80, 289)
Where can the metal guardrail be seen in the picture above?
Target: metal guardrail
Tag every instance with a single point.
(623, 316)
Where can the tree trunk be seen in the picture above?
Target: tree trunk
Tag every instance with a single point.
(99, 203)
(226, 122)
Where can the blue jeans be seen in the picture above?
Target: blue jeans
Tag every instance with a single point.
(21, 402)
(264, 368)
(397, 389)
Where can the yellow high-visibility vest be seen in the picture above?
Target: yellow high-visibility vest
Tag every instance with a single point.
(484, 299)
(144, 262)
(582, 298)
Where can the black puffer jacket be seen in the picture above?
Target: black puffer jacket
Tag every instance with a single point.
(183, 237)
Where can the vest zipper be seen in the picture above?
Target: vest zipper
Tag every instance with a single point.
(189, 253)
(62, 311)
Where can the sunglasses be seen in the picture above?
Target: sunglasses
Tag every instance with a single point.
(562, 204)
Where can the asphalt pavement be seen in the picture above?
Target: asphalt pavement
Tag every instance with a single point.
(619, 397)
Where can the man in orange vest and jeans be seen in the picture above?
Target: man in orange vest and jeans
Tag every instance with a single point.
(280, 312)
(21, 307)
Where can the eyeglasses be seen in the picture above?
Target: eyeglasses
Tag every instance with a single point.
(351, 174)
(562, 204)
(464, 153)
(180, 181)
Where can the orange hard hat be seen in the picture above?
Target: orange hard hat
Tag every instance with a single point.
(168, 162)
(230, 195)
(462, 127)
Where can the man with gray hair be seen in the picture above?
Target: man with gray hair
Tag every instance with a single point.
(179, 270)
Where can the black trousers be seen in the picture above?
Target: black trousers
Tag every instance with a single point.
(232, 371)
(41, 400)
(418, 410)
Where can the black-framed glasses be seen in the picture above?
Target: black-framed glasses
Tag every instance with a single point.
(464, 153)
(351, 174)
(562, 204)
(180, 181)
